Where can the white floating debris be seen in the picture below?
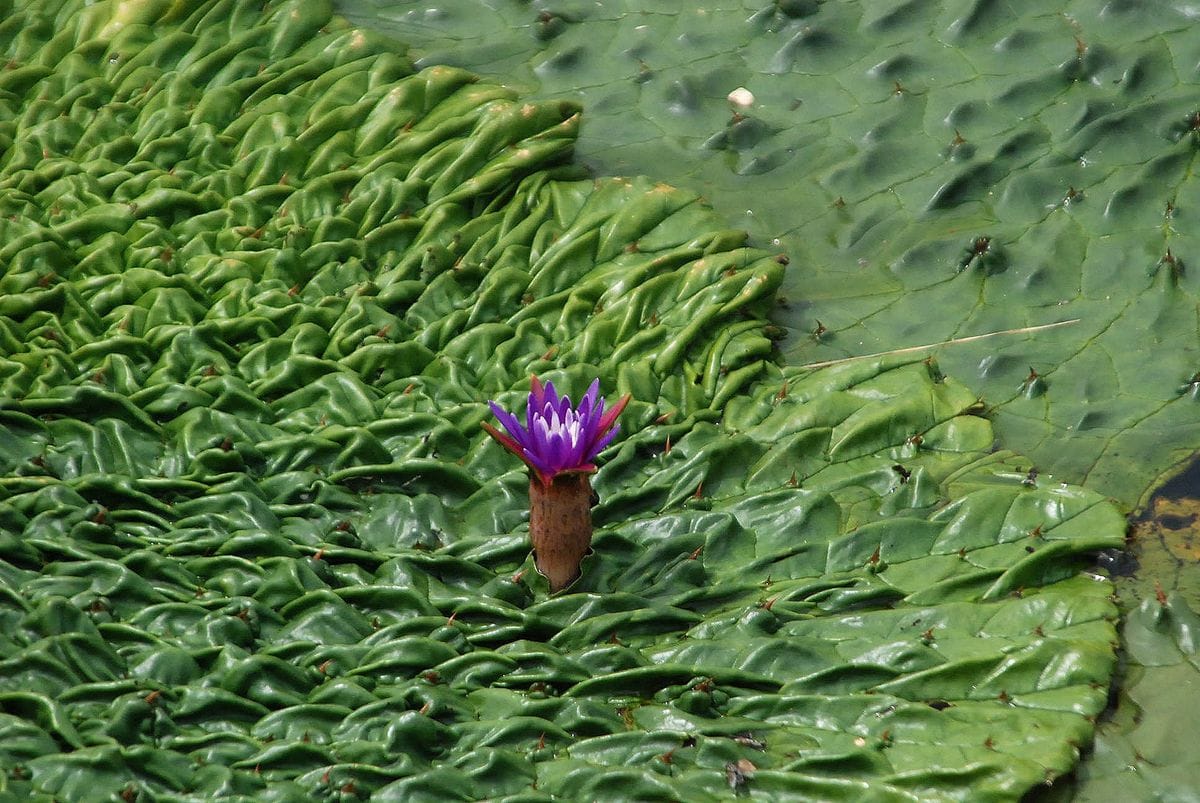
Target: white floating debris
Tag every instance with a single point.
(741, 97)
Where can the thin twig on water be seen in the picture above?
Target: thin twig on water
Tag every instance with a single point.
(953, 342)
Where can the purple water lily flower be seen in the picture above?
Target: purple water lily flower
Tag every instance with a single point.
(556, 437)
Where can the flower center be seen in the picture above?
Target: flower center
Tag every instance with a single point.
(568, 427)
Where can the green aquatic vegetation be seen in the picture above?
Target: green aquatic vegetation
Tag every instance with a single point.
(261, 281)
(937, 171)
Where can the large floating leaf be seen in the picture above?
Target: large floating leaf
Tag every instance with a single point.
(260, 281)
(886, 144)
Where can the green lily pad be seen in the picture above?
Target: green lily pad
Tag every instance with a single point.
(261, 280)
(937, 172)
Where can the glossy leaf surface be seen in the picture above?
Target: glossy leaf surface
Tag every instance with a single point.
(260, 280)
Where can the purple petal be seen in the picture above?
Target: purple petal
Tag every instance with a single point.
(558, 437)
(593, 392)
(603, 442)
(551, 397)
(518, 433)
(539, 442)
(509, 444)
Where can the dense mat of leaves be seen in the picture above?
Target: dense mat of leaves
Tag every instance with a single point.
(260, 280)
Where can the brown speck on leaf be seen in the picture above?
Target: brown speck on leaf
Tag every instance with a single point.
(793, 481)
(737, 773)
(324, 667)
(747, 740)
(1159, 594)
(696, 552)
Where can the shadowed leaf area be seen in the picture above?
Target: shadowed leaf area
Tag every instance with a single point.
(261, 278)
